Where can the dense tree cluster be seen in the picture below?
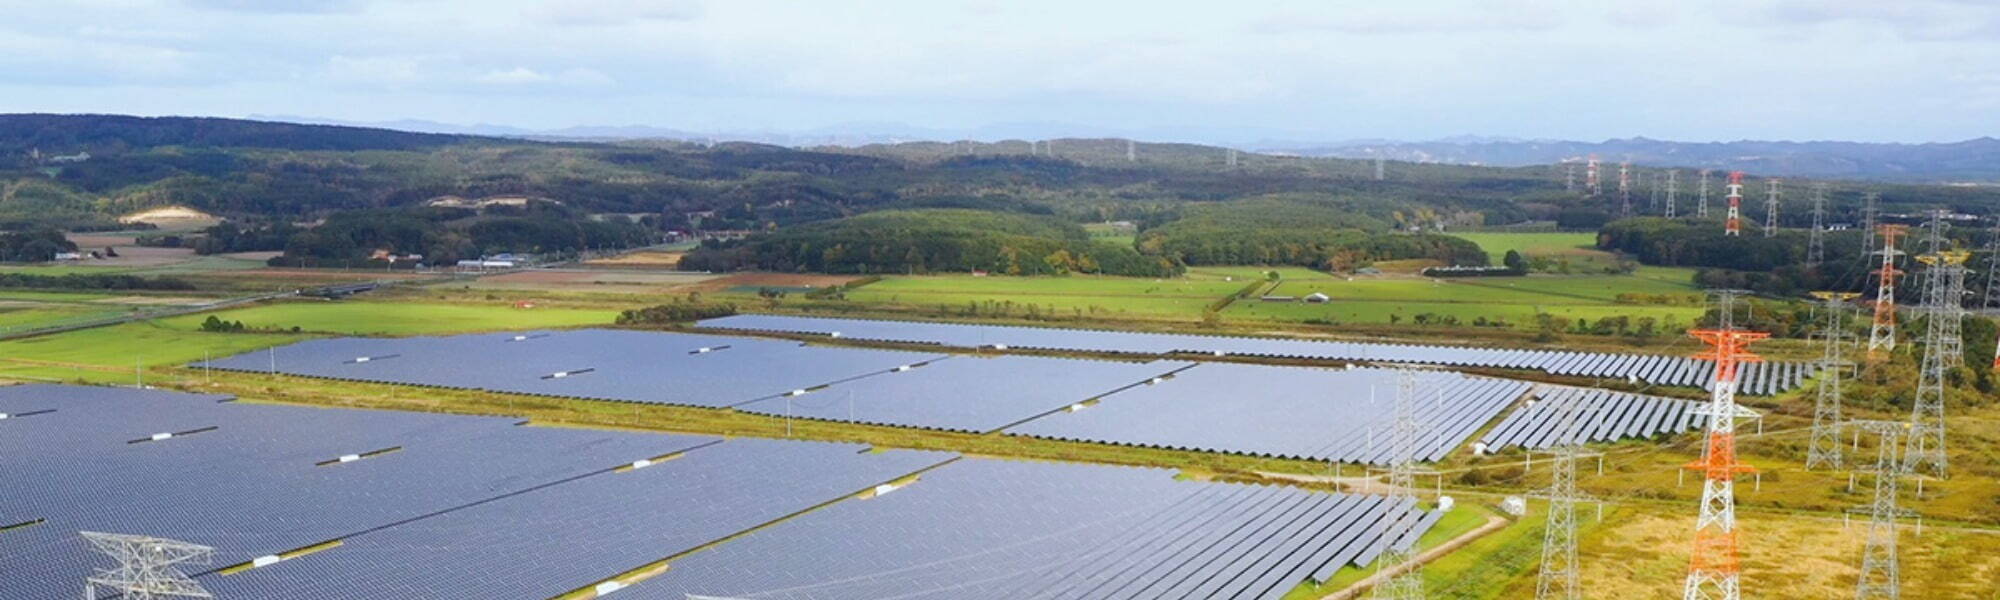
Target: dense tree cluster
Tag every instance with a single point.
(1318, 233)
(37, 245)
(931, 240)
(675, 312)
(444, 235)
(91, 282)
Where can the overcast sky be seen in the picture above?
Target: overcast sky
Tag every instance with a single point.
(1871, 70)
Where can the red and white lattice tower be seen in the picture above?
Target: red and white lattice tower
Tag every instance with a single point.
(1734, 225)
(1714, 567)
(1882, 334)
(1590, 178)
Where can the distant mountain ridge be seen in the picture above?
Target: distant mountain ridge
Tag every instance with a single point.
(1970, 161)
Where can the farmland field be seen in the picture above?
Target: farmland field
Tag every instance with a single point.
(403, 318)
(1131, 297)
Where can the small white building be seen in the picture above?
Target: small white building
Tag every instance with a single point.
(69, 256)
(1317, 298)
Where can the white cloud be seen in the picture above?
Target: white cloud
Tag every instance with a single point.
(281, 6)
(614, 12)
(374, 70)
(514, 76)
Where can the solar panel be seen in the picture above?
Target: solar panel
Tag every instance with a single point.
(1644, 368)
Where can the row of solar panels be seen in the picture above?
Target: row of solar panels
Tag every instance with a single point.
(314, 503)
(1598, 416)
(1662, 370)
(1291, 412)
(1139, 535)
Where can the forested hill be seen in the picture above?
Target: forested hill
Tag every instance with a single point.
(22, 134)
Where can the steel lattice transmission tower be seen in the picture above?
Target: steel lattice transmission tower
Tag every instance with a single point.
(1402, 521)
(1816, 245)
(1673, 189)
(1943, 292)
(1882, 334)
(1559, 578)
(1734, 225)
(1625, 187)
(1592, 182)
(1992, 299)
(1378, 168)
(1714, 566)
(148, 567)
(1569, 176)
(1824, 450)
(1653, 192)
(1771, 207)
(1868, 220)
(1701, 207)
(1881, 566)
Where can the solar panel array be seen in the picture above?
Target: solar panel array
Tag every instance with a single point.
(967, 393)
(437, 506)
(1289, 412)
(1767, 378)
(599, 364)
(1601, 416)
(1046, 531)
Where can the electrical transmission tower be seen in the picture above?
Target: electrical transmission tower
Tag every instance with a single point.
(1824, 451)
(1701, 208)
(1714, 567)
(1816, 245)
(1673, 189)
(1734, 225)
(1881, 568)
(1868, 220)
(1591, 180)
(1378, 168)
(1943, 290)
(1771, 207)
(1402, 520)
(1569, 176)
(1992, 298)
(1232, 157)
(147, 567)
(1625, 188)
(1653, 193)
(1131, 151)
(1882, 334)
(1559, 577)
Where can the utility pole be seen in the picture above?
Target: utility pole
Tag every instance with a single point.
(1714, 567)
(1824, 450)
(1701, 208)
(1944, 276)
(1882, 334)
(1734, 225)
(1402, 499)
(1559, 576)
(1771, 207)
(1816, 244)
(1881, 568)
(147, 567)
(1673, 189)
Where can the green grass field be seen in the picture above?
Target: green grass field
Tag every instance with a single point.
(1496, 245)
(399, 318)
(1133, 297)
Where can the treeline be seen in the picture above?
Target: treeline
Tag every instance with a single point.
(675, 312)
(91, 282)
(445, 235)
(930, 240)
(1321, 234)
(36, 245)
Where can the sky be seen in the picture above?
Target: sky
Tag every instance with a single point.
(1161, 70)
